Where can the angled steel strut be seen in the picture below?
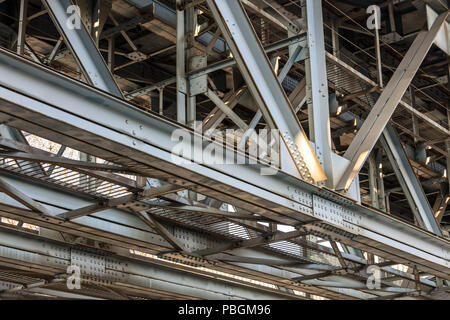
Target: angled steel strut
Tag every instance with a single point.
(391, 96)
(264, 85)
(82, 46)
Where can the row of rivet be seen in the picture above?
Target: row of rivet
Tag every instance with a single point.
(299, 161)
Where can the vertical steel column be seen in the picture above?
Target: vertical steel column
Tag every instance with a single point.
(336, 43)
(415, 121)
(85, 179)
(408, 180)
(373, 180)
(181, 63)
(376, 183)
(420, 150)
(318, 109)
(23, 20)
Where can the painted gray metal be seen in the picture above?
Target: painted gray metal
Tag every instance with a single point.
(391, 96)
(113, 269)
(82, 47)
(264, 85)
(319, 114)
(111, 127)
(408, 180)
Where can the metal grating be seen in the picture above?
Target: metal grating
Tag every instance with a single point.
(65, 178)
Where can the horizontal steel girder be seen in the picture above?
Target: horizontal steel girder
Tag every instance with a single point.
(408, 180)
(97, 123)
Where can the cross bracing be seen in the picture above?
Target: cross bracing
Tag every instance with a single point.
(89, 177)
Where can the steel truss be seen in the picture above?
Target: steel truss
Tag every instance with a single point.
(148, 223)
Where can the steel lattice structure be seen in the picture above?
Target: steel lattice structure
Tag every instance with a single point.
(95, 96)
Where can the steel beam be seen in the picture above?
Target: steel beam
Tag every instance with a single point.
(216, 116)
(338, 254)
(19, 196)
(254, 242)
(380, 179)
(39, 252)
(414, 193)
(300, 39)
(120, 201)
(318, 109)
(144, 142)
(116, 222)
(443, 37)
(281, 77)
(168, 17)
(440, 207)
(373, 181)
(64, 162)
(181, 64)
(386, 104)
(41, 154)
(23, 21)
(227, 110)
(82, 46)
(111, 221)
(264, 85)
(127, 25)
(271, 12)
(153, 223)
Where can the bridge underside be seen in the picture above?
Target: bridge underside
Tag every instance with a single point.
(350, 188)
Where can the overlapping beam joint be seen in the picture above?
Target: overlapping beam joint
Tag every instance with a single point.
(314, 191)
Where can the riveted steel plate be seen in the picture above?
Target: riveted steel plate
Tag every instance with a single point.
(335, 214)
